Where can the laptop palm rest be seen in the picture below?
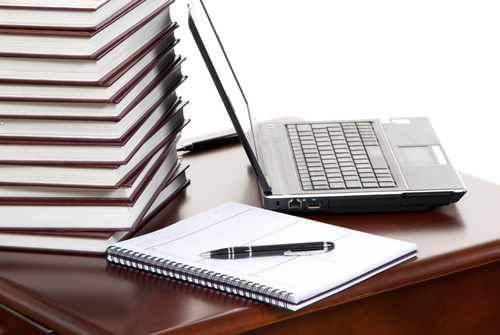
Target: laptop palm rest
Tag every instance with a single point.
(420, 156)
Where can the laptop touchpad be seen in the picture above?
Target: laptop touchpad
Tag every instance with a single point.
(423, 155)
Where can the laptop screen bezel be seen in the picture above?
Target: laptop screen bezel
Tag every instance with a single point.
(221, 90)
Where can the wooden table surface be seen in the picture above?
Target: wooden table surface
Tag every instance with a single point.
(451, 286)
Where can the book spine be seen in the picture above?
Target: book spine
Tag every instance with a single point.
(199, 276)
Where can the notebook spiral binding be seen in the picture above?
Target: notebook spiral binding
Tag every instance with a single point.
(199, 276)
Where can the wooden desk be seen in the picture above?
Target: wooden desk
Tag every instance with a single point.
(453, 286)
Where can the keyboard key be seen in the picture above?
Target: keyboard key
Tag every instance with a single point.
(346, 164)
(353, 184)
(318, 181)
(335, 143)
(387, 184)
(382, 171)
(303, 127)
(365, 170)
(366, 179)
(376, 157)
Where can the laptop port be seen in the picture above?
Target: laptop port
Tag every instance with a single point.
(313, 205)
(295, 204)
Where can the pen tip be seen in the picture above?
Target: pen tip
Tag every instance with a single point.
(205, 254)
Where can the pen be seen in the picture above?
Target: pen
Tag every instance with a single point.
(291, 249)
(208, 143)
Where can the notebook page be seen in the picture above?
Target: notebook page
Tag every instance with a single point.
(235, 224)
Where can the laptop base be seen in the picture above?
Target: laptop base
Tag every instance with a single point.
(362, 204)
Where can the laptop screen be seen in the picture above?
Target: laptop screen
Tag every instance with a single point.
(227, 84)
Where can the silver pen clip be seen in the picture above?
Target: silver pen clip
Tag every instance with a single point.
(303, 253)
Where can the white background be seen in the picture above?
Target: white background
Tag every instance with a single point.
(334, 59)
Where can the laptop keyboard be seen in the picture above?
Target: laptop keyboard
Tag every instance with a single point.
(339, 156)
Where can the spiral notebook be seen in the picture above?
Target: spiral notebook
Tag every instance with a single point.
(290, 282)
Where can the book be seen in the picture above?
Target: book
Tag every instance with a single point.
(87, 242)
(126, 193)
(70, 43)
(88, 15)
(290, 282)
(51, 131)
(140, 96)
(111, 91)
(90, 242)
(85, 70)
(151, 133)
(88, 175)
(91, 213)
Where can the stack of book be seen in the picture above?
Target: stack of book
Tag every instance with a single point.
(89, 120)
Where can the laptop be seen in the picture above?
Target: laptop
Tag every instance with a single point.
(355, 166)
